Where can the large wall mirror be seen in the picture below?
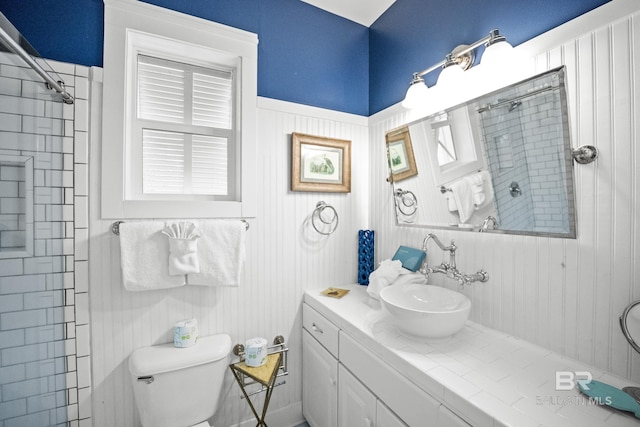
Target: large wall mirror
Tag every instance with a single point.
(501, 163)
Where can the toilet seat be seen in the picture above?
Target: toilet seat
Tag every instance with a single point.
(203, 424)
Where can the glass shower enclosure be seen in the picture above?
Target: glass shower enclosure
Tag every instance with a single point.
(36, 239)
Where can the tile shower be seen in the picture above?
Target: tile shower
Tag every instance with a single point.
(44, 345)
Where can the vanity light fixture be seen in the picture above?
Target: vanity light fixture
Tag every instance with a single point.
(459, 60)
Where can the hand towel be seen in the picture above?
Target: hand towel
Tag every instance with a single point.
(221, 252)
(464, 198)
(384, 275)
(183, 248)
(143, 257)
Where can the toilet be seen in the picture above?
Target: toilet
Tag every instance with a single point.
(179, 387)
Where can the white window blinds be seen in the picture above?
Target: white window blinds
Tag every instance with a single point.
(185, 116)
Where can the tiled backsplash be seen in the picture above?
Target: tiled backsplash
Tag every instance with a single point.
(44, 367)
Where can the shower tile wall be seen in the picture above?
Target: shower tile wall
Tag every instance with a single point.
(44, 364)
(521, 147)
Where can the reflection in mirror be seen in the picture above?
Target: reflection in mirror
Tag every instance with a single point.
(499, 163)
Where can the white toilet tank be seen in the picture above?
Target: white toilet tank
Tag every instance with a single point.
(179, 387)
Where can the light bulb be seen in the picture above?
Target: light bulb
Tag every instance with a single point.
(450, 76)
(497, 55)
(417, 94)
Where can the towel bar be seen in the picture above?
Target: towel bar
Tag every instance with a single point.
(115, 227)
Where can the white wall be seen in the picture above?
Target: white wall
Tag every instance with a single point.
(565, 295)
(284, 258)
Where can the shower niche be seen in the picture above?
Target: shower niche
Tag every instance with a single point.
(16, 206)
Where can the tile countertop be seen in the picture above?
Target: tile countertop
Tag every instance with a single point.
(487, 377)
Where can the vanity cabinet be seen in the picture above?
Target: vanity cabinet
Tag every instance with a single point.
(319, 370)
(345, 385)
(359, 407)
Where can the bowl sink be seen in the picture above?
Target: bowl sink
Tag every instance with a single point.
(426, 311)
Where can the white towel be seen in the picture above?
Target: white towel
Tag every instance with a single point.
(384, 275)
(481, 188)
(144, 251)
(221, 251)
(183, 248)
(487, 188)
(464, 198)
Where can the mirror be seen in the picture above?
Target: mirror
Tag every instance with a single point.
(501, 163)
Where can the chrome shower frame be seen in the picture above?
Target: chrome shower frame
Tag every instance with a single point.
(14, 46)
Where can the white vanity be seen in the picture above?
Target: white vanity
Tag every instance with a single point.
(358, 370)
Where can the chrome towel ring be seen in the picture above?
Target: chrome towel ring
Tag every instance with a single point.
(625, 328)
(407, 202)
(328, 221)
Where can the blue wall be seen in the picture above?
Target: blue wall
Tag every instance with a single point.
(410, 37)
(307, 55)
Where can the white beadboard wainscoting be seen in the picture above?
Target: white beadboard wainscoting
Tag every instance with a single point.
(285, 257)
(563, 294)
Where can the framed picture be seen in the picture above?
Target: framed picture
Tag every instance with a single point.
(320, 164)
(402, 163)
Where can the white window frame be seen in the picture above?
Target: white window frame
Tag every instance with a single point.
(133, 27)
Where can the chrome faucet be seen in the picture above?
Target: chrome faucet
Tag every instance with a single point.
(449, 268)
(485, 223)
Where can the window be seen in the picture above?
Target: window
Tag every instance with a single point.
(182, 93)
(185, 121)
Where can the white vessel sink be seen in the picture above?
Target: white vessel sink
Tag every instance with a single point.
(426, 311)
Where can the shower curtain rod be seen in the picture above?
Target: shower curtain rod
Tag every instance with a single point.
(14, 46)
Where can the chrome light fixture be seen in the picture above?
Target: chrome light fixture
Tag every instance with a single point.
(454, 65)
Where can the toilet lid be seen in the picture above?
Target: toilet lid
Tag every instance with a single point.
(203, 424)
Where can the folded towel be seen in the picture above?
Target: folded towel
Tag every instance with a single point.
(477, 189)
(221, 251)
(384, 275)
(451, 203)
(143, 257)
(464, 198)
(487, 189)
(183, 248)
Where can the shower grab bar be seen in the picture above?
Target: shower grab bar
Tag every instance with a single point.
(15, 47)
(115, 227)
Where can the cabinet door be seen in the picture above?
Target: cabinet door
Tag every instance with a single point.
(356, 404)
(319, 384)
(446, 418)
(386, 418)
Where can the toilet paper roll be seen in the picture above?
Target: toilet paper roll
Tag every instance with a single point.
(185, 333)
(255, 352)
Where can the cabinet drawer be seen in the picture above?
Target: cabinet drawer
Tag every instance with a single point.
(321, 329)
(408, 401)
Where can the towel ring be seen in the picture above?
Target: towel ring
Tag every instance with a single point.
(625, 328)
(408, 202)
(332, 222)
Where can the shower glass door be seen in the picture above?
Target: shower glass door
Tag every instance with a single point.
(36, 218)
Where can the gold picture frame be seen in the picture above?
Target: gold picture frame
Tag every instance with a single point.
(320, 164)
(402, 163)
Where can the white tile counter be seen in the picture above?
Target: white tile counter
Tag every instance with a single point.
(487, 377)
